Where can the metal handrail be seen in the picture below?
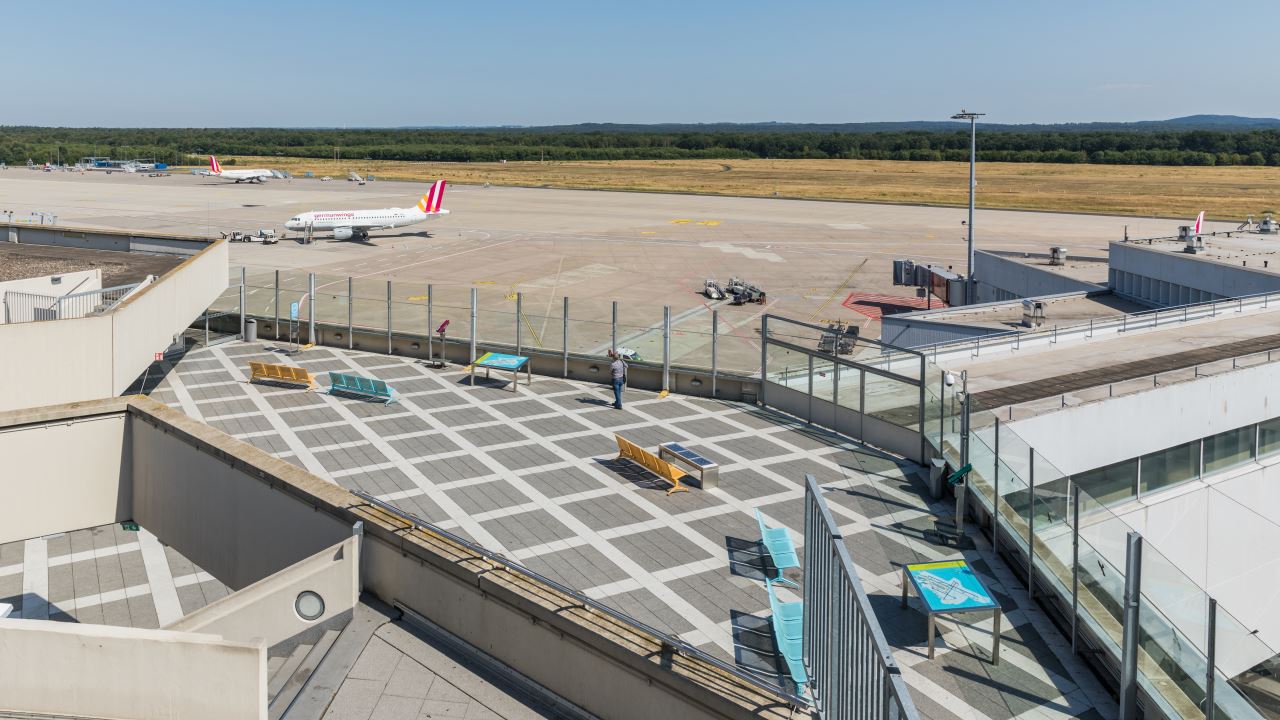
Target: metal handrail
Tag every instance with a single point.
(1102, 322)
(667, 640)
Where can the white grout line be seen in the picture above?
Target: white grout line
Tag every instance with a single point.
(35, 579)
(163, 592)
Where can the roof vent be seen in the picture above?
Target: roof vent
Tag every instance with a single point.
(1193, 241)
(1032, 313)
(1057, 255)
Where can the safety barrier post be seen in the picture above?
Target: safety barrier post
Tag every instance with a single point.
(1211, 645)
(1129, 649)
(613, 328)
(311, 308)
(388, 317)
(924, 441)
(564, 337)
(474, 296)
(242, 303)
(431, 328)
(666, 349)
(809, 416)
(276, 305)
(519, 317)
(351, 303)
(715, 332)
(995, 495)
(1075, 564)
(1031, 524)
(764, 357)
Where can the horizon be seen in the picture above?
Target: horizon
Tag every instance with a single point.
(295, 65)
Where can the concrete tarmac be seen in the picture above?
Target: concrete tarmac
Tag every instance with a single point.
(643, 250)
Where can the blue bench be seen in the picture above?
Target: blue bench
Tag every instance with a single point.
(788, 630)
(777, 543)
(357, 385)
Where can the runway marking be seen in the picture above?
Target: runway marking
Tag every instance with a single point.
(839, 287)
(417, 298)
(709, 223)
(429, 260)
(749, 253)
(484, 282)
(586, 272)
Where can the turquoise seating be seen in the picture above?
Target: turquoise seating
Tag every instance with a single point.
(788, 630)
(777, 542)
(357, 385)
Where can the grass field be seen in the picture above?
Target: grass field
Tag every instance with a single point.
(1226, 193)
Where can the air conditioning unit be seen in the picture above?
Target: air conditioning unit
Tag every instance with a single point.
(1057, 255)
(1032, 313)
(1193, 242)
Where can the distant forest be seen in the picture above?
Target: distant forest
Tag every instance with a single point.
(604, 142)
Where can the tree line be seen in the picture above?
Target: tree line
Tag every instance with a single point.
(177, 146)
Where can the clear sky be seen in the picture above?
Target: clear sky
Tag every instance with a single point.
(393, 63)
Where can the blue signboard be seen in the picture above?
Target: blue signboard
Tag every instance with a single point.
(501, 361)
(950, 586)
(293, 311)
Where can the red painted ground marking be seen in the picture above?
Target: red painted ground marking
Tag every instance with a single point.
(876, 306)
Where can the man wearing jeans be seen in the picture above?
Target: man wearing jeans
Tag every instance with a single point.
(618, 371)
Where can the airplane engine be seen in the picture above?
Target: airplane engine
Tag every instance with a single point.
(342, 233)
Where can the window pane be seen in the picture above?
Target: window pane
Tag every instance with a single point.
(1113, 483)
(1228, 449)
(1269, 437)
(1170, 467)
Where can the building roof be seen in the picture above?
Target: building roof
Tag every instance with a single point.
(22, 261)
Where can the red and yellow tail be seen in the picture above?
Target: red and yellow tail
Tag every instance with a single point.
(214, 166)
(430, 203)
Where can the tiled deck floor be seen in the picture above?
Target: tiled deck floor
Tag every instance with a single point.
(533, 475)
(105, 575)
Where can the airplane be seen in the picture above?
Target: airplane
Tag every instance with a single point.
(258, 176)
(347, 224)
(355, 178)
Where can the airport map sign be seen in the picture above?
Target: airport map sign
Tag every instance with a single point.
(502, 361)
(293, 311)
(951, 587)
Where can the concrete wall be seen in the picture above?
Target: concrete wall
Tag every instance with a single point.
(1161, 278)
(246, 530)
(1092, 435)
(1000, 278)
(105, 239)
(266, 610)
(146, 322)
(72, 670)
(50, 363)
(63, 475)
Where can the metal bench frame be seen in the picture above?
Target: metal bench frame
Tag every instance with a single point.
(708, 475)
(363, 386)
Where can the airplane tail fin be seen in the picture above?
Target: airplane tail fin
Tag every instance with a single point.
(214, 166)
(430, 203)
(1199, 222)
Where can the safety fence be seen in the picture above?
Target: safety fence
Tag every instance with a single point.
(22, 307)
(850, 665)
(1110, 326)
(719, 340)
(1155, 628)
(859, 387)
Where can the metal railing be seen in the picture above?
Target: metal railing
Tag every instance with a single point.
(31, 307)
(668, 642)
(850, 665)
(1112, 324)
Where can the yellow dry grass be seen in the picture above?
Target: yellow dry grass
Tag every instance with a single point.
(1226, 193)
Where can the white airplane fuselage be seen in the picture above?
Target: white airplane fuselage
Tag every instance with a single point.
(243, 175)
(346, 224)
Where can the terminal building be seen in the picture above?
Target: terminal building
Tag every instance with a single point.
(226, 502)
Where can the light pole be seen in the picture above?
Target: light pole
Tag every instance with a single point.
(969, 287)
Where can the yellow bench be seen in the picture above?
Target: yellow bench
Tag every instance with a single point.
(652, 463)
(281, 373)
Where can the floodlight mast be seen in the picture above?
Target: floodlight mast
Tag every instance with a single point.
(970, 288)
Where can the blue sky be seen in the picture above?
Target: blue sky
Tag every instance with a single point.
(391, 63)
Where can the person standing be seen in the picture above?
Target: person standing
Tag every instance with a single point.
(618, 372)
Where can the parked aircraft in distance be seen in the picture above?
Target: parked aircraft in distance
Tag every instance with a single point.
(258, 176)
(347, 224)
(354, 177)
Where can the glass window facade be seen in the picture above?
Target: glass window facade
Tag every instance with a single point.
(1229, 449)
(1111, 484)
(1269, 437)
(1170, 467)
